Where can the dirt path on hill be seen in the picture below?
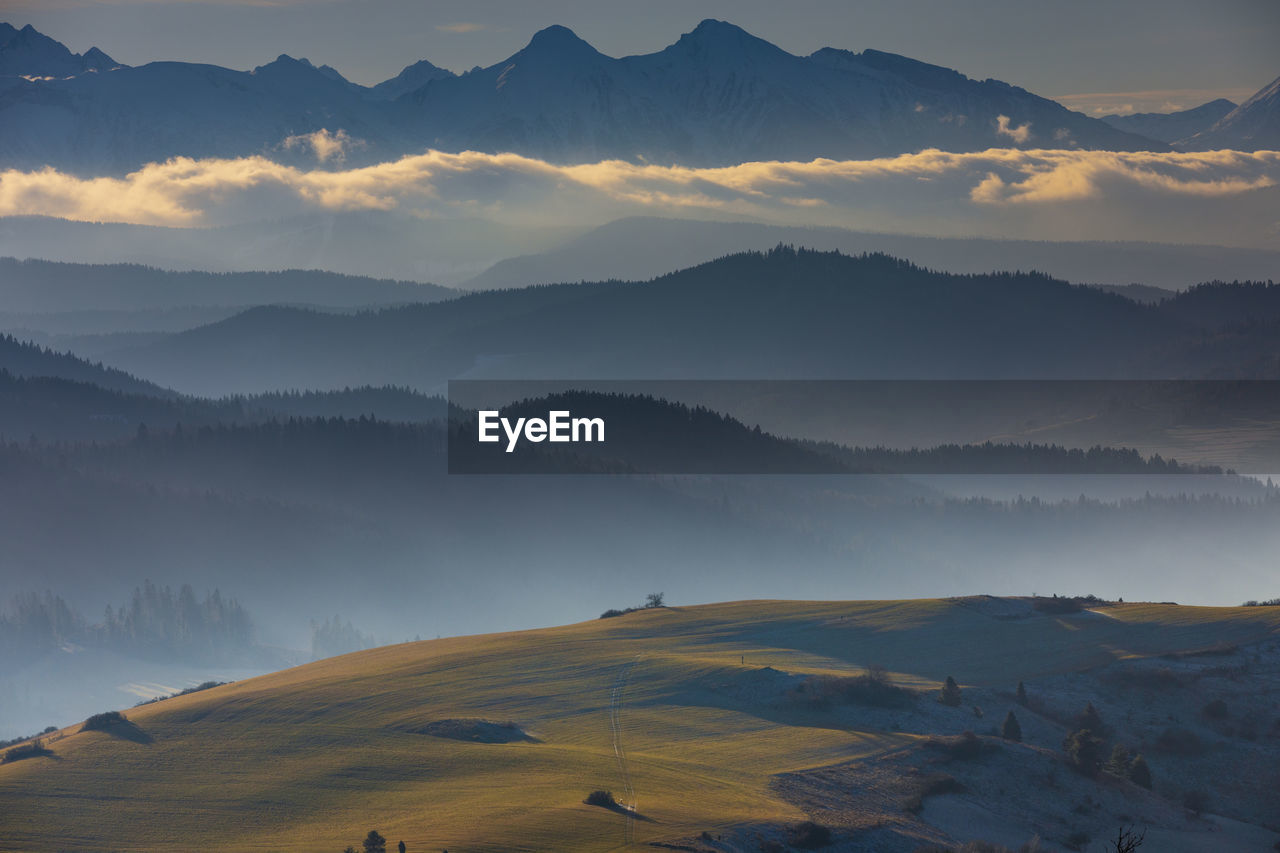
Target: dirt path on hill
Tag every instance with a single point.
(616, 698)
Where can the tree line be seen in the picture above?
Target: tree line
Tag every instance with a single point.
(156, 621)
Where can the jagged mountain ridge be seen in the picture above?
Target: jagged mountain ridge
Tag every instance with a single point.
(28, 52)
(121, 120)
(717, 95)
(720, 95)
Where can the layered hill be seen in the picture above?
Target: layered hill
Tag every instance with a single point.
(41, 287)
(93, 308)
(715, 728)
(718, 95)
(22, 359)
(57, 396)
(360, 244)
(793, 314)
(623, 249)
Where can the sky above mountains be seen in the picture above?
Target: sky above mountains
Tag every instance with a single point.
(1095, 55)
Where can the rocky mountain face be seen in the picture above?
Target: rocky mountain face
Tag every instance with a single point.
(28, 53)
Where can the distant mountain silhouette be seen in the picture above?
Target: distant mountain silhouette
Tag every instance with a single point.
(717, 95)
(624, 249)
(55, 409)
(47, 286)
(722, 95)
(118, 120)
(23, 359)
(1252, 126)
(59, 397)
(781, 314)
(1174, 126)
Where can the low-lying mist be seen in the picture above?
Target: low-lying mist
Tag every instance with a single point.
(352, 527)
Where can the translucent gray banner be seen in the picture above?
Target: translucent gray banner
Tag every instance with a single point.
(864, 427)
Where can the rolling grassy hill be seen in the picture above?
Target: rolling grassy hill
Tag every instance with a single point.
(704, 718)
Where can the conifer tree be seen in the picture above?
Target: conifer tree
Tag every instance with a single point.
(950, 694)
(1011, 730)
(1084, 751)
(1090, 719)
(1140, 772)
(1118, 763)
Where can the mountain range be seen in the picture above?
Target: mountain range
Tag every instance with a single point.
(1175, 126)
(28, 53)
(1252, 126)
(718, 95)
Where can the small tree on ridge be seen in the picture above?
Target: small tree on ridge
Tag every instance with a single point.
(950, 694)
(1011, 730)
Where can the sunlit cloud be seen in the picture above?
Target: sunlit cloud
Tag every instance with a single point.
(325, 146)
(1019, 134)
(1219, 196)
(1094, 174)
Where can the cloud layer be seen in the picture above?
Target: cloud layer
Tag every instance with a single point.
(1225, 196)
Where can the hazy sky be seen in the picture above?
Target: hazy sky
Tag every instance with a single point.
(1145, 54)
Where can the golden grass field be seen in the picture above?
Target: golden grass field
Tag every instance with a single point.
(311, 758)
